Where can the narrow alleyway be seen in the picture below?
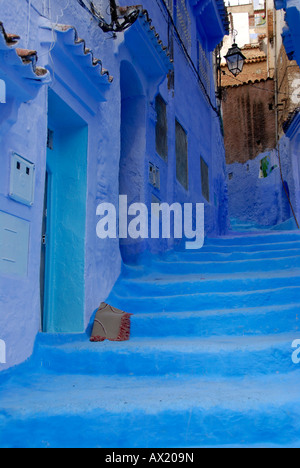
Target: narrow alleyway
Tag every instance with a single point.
(209, 362)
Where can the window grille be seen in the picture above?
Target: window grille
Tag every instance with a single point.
(205, 180)
(161, 127)
(204, 67)
(183, 22)
(181, 156)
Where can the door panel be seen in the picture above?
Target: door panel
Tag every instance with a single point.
(65, 223)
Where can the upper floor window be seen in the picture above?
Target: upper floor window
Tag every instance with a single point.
(205, 180)
(161, 130)
(182, 156)
(170, 5)
(183, 22)
(203, 66)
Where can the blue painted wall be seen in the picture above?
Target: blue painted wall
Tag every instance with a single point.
(107, 119)
(19, 310)
(263, 201)
(188, 104)
(291, 32)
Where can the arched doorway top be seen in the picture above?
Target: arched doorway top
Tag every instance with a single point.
(131, 85)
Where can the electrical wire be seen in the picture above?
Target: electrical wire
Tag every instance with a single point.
(91, 10)
(168, 18)
(166, 13)
(253, 85)
(118, 23)
(53, 25)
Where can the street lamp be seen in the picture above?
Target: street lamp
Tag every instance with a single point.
(235, 58)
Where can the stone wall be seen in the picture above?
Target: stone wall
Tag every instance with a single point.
(288, 86)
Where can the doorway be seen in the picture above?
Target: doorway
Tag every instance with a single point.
(64, 221)
(133, 147)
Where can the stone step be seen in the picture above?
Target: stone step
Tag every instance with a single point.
(236, 247)
(207, 323)
(44, 410)
(217, 256)
(209, 362)
(205, 301)
(218, 355)
(183, 266)
(240, 239)
(158, 284)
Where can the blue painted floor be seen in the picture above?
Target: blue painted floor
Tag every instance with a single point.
(209, 363)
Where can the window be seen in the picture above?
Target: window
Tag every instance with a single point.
(181, 156)
(170, 6)
(50, 139)
(154, 175)
(204, 67)
(183, 22)
(161, 128)
(205, 180)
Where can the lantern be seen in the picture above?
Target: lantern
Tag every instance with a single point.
(235, 60)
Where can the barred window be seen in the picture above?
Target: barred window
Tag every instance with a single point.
(170, 5)
(205, 180)
(203, 67)
(183, 22)
(181, 155)
(161, 127)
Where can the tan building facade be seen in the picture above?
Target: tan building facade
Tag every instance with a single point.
(249, 120)
(255, 67)
(288, 75)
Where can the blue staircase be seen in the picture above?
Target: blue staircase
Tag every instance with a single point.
(209, 363)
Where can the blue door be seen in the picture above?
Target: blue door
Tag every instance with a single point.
(63, 241)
